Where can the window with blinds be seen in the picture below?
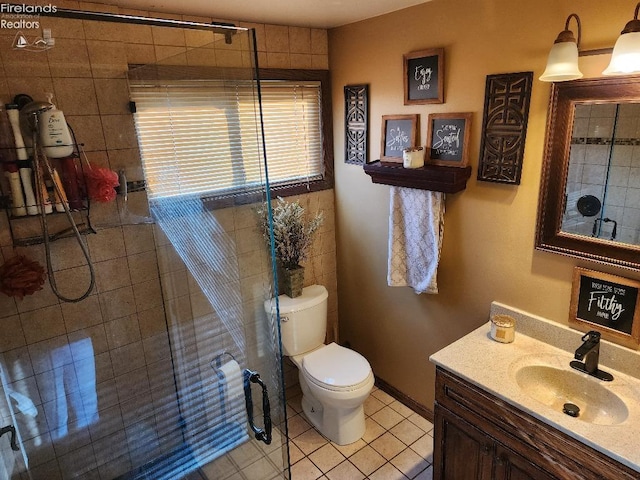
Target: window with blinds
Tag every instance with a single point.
(203, 137)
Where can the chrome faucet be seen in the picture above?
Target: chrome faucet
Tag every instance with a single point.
(589, 351)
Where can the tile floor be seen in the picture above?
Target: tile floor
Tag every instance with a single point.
(397, 444)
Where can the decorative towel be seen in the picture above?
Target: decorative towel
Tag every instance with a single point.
(416, 224)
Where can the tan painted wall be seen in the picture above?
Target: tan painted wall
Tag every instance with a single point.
(488, 251)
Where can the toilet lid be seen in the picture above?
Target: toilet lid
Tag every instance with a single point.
(336, 366)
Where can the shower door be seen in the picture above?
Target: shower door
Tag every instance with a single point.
(171, 368)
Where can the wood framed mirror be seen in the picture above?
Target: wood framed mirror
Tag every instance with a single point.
(589, 204)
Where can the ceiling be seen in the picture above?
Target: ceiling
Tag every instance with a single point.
(303, 13)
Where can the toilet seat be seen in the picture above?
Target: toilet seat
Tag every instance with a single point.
(336, 368)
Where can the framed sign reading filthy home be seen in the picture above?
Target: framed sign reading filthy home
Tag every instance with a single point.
(398, 132)
(424, 77)
(448, 139)
(606, 303)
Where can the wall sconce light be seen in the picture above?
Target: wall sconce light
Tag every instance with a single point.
(626, 52)
(562, 63)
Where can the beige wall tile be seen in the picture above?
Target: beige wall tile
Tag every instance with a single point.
(119, 131)
(138, 238)
(112, 96)
(98, 341)
(43, 324)
(277, 38)
(127, 358)
(168, 36)
(95, 30)
(122, 331)
(299, 40)
(171, 55)
(41, 352)
(82, 314)
(148, 294)
(74, 283)
(320, 62)
(63, 27)
(112, 274)
(152, 321)
(107, 244)
(140, 54)
(175, 285)
(11, 334)
(75, 96)
(261, 40)
(117, 303)
(41, 299)
(319, 41)
(88, 130)
(143, 267)
(229, 58)
(302, 61)
(37, 87)
(69, 58)
(201, 57)
(278, 60)
(18, 63)
(108, 59)
(198, 38)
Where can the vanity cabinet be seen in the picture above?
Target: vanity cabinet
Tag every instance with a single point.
(478, 436)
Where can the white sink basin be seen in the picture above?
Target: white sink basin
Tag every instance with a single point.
(554, 387)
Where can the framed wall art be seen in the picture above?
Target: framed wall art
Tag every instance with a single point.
(423, 75)
(356, 120)
(606, 303)
(448, 139)
(398, 132)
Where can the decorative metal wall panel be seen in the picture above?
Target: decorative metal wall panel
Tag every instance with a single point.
(504, 127)
(356, 99)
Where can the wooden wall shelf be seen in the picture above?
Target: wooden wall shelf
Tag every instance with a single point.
(430, 177)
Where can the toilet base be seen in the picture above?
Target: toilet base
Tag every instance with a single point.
(341, 426)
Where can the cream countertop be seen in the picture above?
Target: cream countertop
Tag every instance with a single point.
(491, 365)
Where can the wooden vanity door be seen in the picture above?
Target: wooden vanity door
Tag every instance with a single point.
(463, 452)
(511, 466)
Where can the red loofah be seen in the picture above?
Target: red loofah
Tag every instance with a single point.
(101, 184)
(20, 276)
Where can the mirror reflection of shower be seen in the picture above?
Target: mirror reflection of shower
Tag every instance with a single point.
(602, 197)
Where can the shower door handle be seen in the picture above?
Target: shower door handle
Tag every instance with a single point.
(10, 429)
(262, 434)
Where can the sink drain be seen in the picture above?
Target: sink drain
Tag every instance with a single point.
(571, 409)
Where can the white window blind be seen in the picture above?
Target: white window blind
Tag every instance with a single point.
(203, 137)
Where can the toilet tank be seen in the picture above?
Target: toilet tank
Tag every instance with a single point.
(303, 320)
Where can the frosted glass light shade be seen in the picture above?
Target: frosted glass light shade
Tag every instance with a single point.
(562, 63)
(625, 58)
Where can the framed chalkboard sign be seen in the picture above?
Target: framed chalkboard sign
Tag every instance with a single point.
(448, 139)
(398, 132)
(424, 77)
(606, 303)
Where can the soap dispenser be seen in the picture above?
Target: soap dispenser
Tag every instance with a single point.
(54, 132)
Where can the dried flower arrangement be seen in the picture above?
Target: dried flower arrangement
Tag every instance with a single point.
(293, 234)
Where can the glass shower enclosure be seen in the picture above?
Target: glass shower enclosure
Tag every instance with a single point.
(170, 368)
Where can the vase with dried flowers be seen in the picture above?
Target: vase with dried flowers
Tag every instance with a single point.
(293, 234)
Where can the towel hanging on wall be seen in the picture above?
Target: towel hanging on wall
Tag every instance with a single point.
(416, 225)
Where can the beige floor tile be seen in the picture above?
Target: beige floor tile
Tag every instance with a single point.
(345, 471)
(388, 446)
(260, 470)
(348, 450)
(373, 430)
(367, 460)
(295, 454)
(401, 409)
(305, 470)
(409, 463)
(326, 457)
(384, 397)
(387, 472)
(421, 422)
(372, 405)
(425, 474)
(407, 432)
(310, 441)
(297, 425)
(387, 417)
(424, 447)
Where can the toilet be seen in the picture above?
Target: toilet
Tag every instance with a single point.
(335, 380)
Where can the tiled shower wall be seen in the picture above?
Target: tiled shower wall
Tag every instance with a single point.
(595, 161)
(144, 294)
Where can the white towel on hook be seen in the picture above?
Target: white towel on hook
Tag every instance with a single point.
(416, 225)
